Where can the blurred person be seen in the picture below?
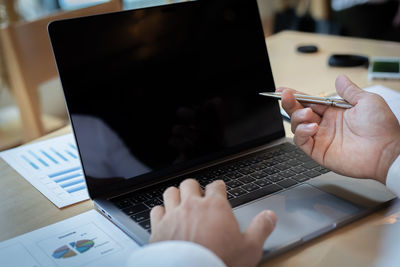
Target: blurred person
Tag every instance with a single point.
(374, 19)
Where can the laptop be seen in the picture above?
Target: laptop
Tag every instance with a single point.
(160, 94)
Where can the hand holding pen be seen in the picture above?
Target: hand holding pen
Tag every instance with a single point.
(362, 141)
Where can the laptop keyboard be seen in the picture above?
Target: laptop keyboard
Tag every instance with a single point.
(246, 179)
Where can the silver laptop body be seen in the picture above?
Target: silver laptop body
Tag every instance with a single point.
(160, 94)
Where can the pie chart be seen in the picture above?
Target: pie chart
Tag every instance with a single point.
(82, 245)
(63, 252)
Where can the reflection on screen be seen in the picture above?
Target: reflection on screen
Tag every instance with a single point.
(165, 88)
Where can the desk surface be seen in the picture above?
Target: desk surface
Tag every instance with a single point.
(24, 209)
(310, 72)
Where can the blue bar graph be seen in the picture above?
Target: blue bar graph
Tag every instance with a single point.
(72, 183)
(30, 162)
(49, 157)
(69, 177)
(53, 167)
(71, 154)
(59, 154)
(38, 158)
(52, 175)
(73, 146)
(83, 187)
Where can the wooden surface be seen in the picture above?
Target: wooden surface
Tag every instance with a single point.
(24, 209)
(310, 73)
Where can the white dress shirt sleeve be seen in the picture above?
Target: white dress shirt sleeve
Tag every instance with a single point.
(393, 177)
(174, 254)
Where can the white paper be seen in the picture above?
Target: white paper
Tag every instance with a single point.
(87, 240)
(53, 167)
(391, 97)
(284, 114)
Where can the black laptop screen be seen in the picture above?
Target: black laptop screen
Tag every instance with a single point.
(156, 91)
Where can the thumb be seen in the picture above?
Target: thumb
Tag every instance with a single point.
(348, 90)
(260, 228)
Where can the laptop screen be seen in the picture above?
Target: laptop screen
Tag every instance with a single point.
(156, 91)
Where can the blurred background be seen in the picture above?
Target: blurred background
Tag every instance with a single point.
(31, 99)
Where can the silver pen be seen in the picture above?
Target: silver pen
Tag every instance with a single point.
(330, 101)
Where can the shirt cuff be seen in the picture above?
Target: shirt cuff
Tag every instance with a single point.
(174, 254)
(393, 177)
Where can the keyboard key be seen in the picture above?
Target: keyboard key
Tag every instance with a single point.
(124, 203)
(210, 175)
(278, 153)
(312, 173)
(264, 191)
(250, 187)
(231, 168)
(241, 165)
(234, 175)
(300, 178)
(258, 175)
(135, 209)
(229, 196)
(246, 179)
(262, 182)
(287, 174)
(237, 192)
(218, 172)
(294, 162)
(258, 159)
(298, 169)
(275, 178)
(282, 167)
(304, 158)
(292, 155)
(288, 147)
(258, 167)
(310, 165)
(141, 216)
(246, 170)
(270, 163)
(139, 198)
(270, 171)
(145, 224)
(134, 200)
(161, 190)
(248, 162)
(226, 178)
(203, 182)
(153, 202)
(152, 194)
(287, 183)
(234, 184)
(267, 156)
(281, 159)
(321, 169)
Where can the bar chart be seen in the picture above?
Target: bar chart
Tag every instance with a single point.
(53, 167)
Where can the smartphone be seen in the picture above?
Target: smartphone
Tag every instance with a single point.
(384, 68)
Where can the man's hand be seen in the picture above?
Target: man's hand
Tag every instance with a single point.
(206, 218)
(360, 142)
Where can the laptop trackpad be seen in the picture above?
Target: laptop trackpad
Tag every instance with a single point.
(303, 212)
